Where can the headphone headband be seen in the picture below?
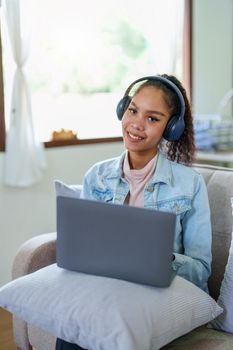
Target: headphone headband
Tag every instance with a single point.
(166, 82)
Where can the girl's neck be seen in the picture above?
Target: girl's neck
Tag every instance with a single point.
(139, 160)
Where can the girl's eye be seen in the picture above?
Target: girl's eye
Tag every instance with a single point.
(132, 110)
(153, 119)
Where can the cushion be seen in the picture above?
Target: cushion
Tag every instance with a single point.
(225, 321)
(104, 313)
(67, 190)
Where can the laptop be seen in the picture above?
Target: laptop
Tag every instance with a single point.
(117, 241)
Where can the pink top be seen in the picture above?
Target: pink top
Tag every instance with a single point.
(137, 179)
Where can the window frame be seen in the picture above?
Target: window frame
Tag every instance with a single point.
(187, 71)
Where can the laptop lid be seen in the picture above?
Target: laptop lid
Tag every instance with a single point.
(118, 241)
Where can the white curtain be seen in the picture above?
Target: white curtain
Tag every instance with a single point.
(24, 157)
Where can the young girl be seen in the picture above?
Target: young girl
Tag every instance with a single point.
(154, 172)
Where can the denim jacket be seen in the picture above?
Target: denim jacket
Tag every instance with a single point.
(174, 188)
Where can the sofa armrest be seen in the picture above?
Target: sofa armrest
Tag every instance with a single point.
(34, 254)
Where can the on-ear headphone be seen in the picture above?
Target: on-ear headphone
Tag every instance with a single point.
(176, 125)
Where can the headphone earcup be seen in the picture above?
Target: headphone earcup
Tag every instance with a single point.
(174, 129)
(122, 106)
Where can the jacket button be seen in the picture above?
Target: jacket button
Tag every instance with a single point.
(150, 188)
(176, 206)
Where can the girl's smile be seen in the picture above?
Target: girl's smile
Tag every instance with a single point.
(135, 137)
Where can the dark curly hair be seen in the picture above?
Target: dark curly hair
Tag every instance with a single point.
(182, 150)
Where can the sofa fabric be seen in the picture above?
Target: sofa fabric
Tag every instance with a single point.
(220, 190)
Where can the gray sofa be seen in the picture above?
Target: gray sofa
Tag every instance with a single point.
(40, 251)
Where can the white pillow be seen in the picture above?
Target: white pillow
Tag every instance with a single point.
(225, 321)
(67, 190)
(102, 313)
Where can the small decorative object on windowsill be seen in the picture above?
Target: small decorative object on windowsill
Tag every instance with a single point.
(64, 134)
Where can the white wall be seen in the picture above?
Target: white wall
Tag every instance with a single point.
(25, 213)
(212, 54)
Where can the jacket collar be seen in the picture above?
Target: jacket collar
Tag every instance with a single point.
(163, 171)
(116, 170)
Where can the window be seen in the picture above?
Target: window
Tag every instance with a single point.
(83, 55)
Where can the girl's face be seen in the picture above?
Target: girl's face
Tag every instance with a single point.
(144, 121)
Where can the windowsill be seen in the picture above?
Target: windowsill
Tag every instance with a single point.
(64, 143)
(61, 143)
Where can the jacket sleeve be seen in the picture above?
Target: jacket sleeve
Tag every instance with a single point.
(195, 263)
(86, 192)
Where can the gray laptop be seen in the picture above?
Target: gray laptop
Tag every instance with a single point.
(118, 241)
